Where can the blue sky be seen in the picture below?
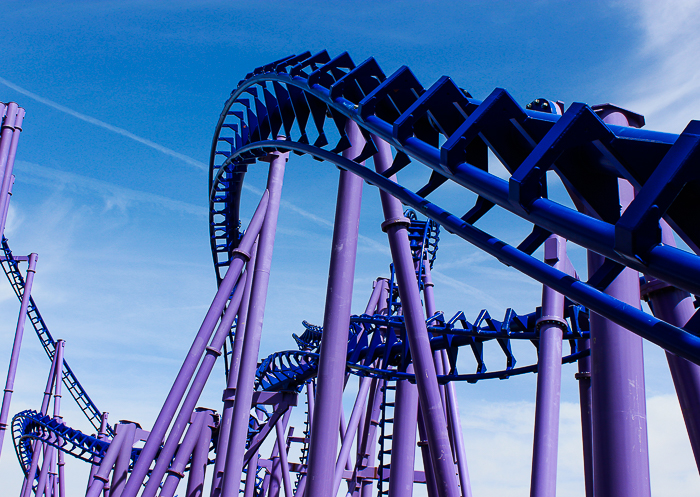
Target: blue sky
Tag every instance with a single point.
(122, 99)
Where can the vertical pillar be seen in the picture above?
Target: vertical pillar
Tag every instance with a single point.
(585, 400)
(7, 179)
(620, 448)
(251, 345)
(95, 461)
(551, 324)
(251, 475)
(16, 345)
(54, 375)
(395, 226)
(121, 465)
(200, 457)
(336, 322)
(676, 307)
(282, 449)
(427, 460)
(403, 442)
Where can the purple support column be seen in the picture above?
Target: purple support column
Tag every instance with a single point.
(7, 175)
(546, 437)
(585, 400)
(59, 481)
(403, 442)
(102, 474)
(282, 449)
(227, 414)
(95, 461)
(250, 476)
(251, 345)
(7, 202)
(42, 484)
(54, 373)
(369, 450)
(620, 449)
(336, 322)
(172, 401)
(177, 470)
(676, 307)
(8, 129)
(200, 380)
(346, 447)
(121, 465)
(16, 345)
(427, 460)
(452, 408)
(200, 457)
(395, 226)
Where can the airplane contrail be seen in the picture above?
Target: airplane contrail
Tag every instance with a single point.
(172, 153)
(121, 131)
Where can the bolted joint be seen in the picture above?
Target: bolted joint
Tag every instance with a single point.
(402, 220)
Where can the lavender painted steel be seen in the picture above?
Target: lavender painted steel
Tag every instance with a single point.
(452, 408)
(336, 321)
(172, 401)
(200, 457)
(403, 442)
(100, 436)
(7, 202)
(676, 307)
(227, 414)
(368, 447)
(177, 470)
(585, 400)
(16, 346)
(7, 180)
(8, 129)
(37, 446)
(620, 449)
(425, 454)
(251, 345)
(353, 422)
(59, 486)
(102, 474)
(543, 481)
(213, 351)
(282, 449)
(121, 465)
(43, 482)
(417, 333)
(250, 476)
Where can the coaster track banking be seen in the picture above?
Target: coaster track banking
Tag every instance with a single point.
(445, 129)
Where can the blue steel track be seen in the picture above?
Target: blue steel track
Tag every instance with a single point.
(449, 132)
(445, 129)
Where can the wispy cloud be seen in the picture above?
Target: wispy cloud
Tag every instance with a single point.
(113, 195)
(121, 131)
(126, 194)
(666, 88)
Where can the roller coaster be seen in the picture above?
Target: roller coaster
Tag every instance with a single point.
(632, 191)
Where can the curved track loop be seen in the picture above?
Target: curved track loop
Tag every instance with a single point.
(445, 129)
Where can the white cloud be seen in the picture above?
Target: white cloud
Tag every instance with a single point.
(666, 88)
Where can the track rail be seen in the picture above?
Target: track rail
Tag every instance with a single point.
(85, 403)
(446, 130)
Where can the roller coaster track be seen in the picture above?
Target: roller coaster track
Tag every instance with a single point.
(450, 132)
(86, 405)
